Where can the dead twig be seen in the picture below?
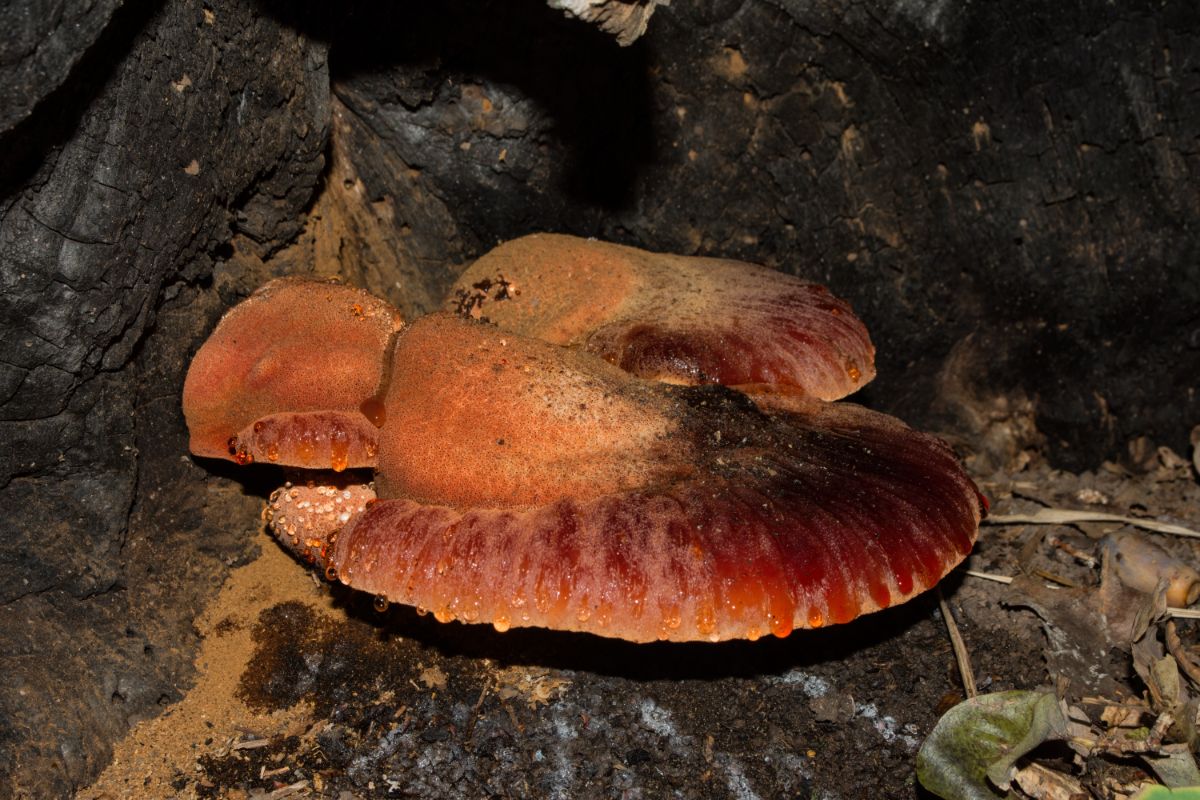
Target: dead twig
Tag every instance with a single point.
(1050, 576)
(960, 648)
(251, 744)
(1183, 613)
(988, 576)
(1064, 516)
(288, 791)
(1172, 611)
(1182, 658)
(1087, 559)
(475, 710)
(1152, 742)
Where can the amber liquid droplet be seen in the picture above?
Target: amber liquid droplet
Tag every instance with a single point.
(781, 610)
(372, 408)
(501, 624)
(782, 626)
(306, 448)
(854, 373)
(603, 616)
(671, 618)
(339, 457)
(381, 603)
(331, 573)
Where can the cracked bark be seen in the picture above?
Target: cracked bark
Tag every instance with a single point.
(98, 212)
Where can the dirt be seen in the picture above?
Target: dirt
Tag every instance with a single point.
(161, 756)
(306, 689)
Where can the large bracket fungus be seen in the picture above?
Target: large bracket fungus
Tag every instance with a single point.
(525, 480)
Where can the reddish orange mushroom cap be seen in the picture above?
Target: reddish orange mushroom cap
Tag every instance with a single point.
(574, 496)
(479, 417)
(672, 318)
(285, 375)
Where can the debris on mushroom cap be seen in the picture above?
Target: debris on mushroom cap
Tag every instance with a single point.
(730, 520)
(307, 517)
(671, 318)
(290, 375)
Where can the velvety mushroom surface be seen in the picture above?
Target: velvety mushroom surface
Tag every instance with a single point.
(672, 318)
(545, 481)
(521, 483)
(291, 376)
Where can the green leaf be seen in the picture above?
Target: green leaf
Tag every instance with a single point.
(1163, 793)
(971, 751)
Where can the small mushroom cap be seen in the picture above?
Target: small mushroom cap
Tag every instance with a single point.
(286, 373)
(671, 318)
(525, 484)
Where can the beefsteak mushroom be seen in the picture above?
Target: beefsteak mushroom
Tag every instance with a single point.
(522, 483)
(570, 459)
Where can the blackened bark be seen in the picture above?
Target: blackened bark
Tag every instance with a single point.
(178, 122)
(43, 40)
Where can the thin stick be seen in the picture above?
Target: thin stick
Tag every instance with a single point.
(1183, 613)
(1172, 611)
(1181, 655)
(251, 744)
(988, 576)
(1050, 576)
(1064, 516)
(960, 648)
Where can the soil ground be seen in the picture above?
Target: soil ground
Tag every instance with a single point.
(306, 690)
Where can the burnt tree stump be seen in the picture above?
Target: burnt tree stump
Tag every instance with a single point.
(1006, 193)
